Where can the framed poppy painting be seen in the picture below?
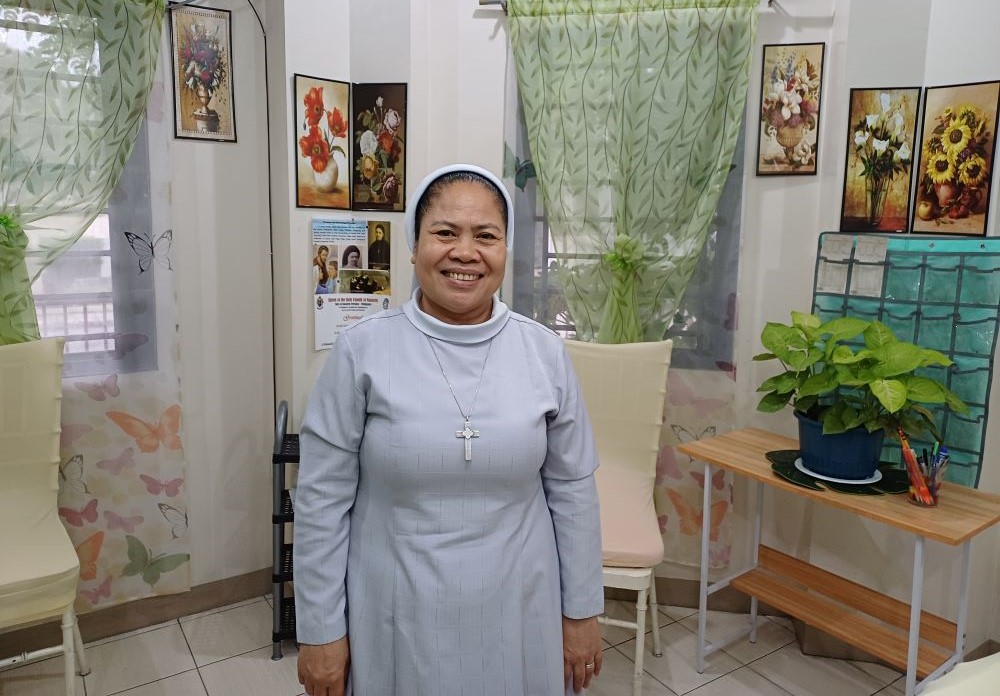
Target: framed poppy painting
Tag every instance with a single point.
(881, 137)
(955, 169)
(791, 86)
(379, 172)
(322, 162)
(202, 60)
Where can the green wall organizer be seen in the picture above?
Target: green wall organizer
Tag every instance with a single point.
(940, 292)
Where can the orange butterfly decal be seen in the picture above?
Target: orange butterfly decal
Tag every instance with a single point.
(88, 551)
(103, 590)
(149, 437)
(690, 519)
(78, 517)
(155, 486)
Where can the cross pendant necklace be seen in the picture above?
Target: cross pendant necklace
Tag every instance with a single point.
(467, 432)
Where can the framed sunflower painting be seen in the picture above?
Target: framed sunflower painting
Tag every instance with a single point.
(955, 169)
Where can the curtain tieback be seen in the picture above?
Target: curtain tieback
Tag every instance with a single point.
(13, 242)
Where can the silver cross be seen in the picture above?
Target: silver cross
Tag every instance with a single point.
(468, 433)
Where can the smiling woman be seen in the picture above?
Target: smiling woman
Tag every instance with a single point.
(447, 481)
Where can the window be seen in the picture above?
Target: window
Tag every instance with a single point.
(94, 294)
(703, 325)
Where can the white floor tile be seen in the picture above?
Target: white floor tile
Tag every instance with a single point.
(226, 607)
(897, 688)
(770, 636)
(129, 634)
(137, 660)
(42, 678)
(254, 674)
(803, 675)
(184, 684)
(742, 682)
(223, 634)
(676, 668)
(884, 674)
(677, 613)
(616, 678)
(621, 609)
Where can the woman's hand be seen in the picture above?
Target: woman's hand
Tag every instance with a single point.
(323, 668)
(582, 653)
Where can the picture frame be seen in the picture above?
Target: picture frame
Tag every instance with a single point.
(378, 175)
(879, 161)
(202, 68)
(321, 143)
(790, 105)
(957, 152)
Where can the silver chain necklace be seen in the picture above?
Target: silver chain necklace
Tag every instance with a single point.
(467, 431)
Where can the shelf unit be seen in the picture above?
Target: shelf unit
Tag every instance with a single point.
(899, 632)
(286, 451)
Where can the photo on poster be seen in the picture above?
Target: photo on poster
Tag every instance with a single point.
(957, 148)
(325, 269)
(322, 162)
(378, 245)
(202, 65)
(881, 137)
(791, 85)
(379, 172)
(366, 282)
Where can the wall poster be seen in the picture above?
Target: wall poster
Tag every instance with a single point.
(350, 274)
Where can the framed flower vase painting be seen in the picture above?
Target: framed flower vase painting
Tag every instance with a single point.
(955, 168)
(881, 137)
(378, 175)
(322, 162)
(791, 86)
(202, 59)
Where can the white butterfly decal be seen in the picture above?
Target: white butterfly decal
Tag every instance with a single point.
(178, 520)
(149, 250)
(71, 473)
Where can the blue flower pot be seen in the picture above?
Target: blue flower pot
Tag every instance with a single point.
(853, 455)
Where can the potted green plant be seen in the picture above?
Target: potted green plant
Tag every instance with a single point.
(847, 400)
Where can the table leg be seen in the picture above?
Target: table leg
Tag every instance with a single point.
(916, 602)
(706, 525)
(758, 515)
(963, 601)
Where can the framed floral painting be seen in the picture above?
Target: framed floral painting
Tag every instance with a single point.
(955, 169)
(881, 137)
(791, 86)
(202, 60)
(379, 173)
(322, 162)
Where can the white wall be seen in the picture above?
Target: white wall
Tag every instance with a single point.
(870, 44)
(223, 279)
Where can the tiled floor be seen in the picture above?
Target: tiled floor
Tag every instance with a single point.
(226, 652)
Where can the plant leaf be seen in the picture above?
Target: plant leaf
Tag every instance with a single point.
(843, 328)
(799, 319)
(782, 384)
(891, 393)
(773, 402)
(878, 334)
(896, 358)
(924, 389)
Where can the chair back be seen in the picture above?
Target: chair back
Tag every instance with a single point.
(624, 386)
(30, 409)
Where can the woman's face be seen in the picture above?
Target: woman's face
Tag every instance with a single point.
(352, 259)
(460, 255)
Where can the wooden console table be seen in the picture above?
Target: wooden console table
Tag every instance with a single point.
(886, 627)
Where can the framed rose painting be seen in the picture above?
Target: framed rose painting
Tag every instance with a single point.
(322, 162)
(881, 137)
(379, 172)
(955, 168)
(202, 60)
(791, 86)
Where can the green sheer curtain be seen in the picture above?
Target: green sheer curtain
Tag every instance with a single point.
(633, 110)
(76, 75)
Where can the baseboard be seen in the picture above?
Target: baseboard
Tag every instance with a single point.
(140, 613)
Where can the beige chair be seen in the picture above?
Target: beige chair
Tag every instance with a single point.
(976, 678)
(40, 569)
(624, 386)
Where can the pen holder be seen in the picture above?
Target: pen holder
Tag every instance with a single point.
(923, 490)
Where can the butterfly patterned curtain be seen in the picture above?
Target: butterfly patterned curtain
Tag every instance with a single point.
(76, 76)
(123, 485)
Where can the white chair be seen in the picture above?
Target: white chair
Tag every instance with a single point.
(624, 386)
(979, 677)
(40, 569)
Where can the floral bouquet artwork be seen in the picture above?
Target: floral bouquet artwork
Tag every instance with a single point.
(321, 114)
(380, 147)
(202, 74)
(956, 158)
(790, 102)
(881, 133)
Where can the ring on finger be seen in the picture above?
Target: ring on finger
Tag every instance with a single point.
(589, 666)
